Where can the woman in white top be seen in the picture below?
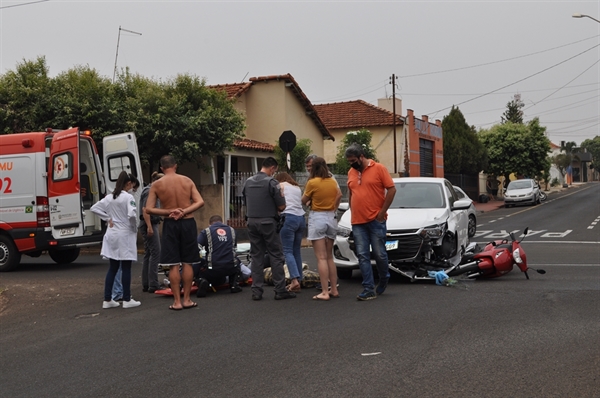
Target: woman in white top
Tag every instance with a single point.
(120, 240)
(292, 231)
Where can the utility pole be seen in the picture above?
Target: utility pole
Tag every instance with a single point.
(393, 81)
(117, 55)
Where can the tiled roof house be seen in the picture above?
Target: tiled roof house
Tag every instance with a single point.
(270, 105)
(425, 146)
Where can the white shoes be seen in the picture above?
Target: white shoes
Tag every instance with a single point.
(131, 303)
(110, 304)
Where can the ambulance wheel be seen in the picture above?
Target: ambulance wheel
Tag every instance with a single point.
(9, 255)
(64, 256)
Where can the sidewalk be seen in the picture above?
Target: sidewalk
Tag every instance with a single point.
(489, 206)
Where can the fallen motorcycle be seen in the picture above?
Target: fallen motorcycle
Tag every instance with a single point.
(497, 258)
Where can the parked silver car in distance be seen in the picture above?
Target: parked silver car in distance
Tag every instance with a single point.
(524, 191)
(471, 211)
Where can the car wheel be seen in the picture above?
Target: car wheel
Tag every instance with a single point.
(472, 226)
(64, 256)
(9, 254)
(344, 273)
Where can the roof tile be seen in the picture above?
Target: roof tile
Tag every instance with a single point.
(355, 114)
(253, 145)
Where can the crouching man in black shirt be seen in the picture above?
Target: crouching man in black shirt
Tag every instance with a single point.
(221, 261)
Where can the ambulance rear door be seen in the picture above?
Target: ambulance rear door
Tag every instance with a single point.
(120, 153)
(64, 196)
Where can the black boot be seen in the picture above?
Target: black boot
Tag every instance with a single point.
(202, 287)
(234, 287)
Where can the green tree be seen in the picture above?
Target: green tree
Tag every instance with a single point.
(81, 97)
(517, 148)
(195, 121)
(513, 112)
(297, 156)
(564, 159)
(362, 137)
(24, 98)
(180, 116)
(463, 152)
(593, 147)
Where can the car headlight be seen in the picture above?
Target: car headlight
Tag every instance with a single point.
(343, 232)
(434, 231)
(517, 256)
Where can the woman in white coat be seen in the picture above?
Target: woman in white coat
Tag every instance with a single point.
(119, 244)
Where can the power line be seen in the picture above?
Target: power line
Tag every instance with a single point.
(24, 4)
(566, 84)
(499, 92)
(353, 94)
(518, 81)
(496, 62)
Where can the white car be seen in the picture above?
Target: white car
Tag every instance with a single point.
(471, 211)
(426, 221)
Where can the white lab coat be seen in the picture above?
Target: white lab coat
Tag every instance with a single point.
(120, 241)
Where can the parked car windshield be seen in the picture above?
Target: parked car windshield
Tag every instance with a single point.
(418, 195)
(519, 184)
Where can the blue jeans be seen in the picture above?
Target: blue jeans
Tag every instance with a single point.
(117, 289)
(291, 239)
(115, 266)
(367, 236)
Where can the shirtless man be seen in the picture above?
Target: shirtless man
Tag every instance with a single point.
(179, 198)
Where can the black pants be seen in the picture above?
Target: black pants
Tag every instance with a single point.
(217, 275)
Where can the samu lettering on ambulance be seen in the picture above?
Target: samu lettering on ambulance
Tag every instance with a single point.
(6, 166)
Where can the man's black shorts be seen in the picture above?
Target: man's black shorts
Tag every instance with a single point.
(178, 243)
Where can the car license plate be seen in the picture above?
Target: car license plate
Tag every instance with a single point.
(391, 245)
(67, 231)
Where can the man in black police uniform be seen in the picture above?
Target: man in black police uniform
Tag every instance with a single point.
(264, 201)
(220, 262)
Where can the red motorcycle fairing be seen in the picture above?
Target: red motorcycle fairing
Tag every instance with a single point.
(495, 260)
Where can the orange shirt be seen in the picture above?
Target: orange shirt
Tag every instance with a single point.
(368, 191)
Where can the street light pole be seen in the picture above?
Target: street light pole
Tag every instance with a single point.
(583, 15)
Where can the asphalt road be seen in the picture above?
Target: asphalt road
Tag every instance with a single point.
(495, 338)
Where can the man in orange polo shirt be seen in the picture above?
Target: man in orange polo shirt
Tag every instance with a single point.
(371, 192)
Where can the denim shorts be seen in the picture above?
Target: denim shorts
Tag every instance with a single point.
(321, 224)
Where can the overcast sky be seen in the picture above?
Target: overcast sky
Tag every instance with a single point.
(472, 54)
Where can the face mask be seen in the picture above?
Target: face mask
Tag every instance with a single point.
(356, 165)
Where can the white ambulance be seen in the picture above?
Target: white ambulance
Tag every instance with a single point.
(48, 182)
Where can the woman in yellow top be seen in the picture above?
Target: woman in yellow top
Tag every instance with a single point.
(323, 195)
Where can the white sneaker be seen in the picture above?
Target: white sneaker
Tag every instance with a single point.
(110, 304)
(131, 303)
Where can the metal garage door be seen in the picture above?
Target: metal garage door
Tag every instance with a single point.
(426, 157)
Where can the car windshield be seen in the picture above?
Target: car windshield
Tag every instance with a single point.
(519, 184)
(418, 195)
